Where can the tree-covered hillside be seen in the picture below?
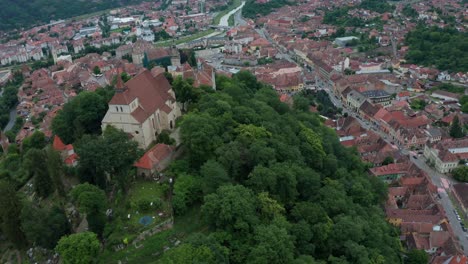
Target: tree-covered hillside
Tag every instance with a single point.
(275, 185)
(23, 13)
(446, 49)
(252, 9)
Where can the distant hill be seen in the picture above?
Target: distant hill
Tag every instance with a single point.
(15, 14)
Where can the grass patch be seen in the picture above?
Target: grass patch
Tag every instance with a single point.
(153, 247)
(143, 193)
(181, 40)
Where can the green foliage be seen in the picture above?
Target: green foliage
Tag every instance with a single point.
(96, 70)
(388, 160)
(409, 11)
(34, 163)
(184, 91)
(451, 88)
(417, 257)
(187, 253)
(277, 182)
(81, 248)
(10, 214)
(19, 14)
(82, 115)
(44, 227)
(56, 169)
(111, 154)
(9, 97)
(418, 104)
(186, 193)
(456, 131)
(91, 201)
(36, 140)
(339, 16)
(252, 9)
(444, 48)
(214, 175)
(231, 208)
(164, 138)
(161, 35)
(460, 173)
(88, 198)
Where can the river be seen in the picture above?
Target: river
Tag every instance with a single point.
(224, 21)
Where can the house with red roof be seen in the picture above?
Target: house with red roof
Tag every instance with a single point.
(154, 160)
(67, 152)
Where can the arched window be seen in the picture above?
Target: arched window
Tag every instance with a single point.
(121, 109)
(117, 108)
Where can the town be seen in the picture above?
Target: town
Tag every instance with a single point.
(390, 79)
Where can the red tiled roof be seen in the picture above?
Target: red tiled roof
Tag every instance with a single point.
(153, 156)
(58, 144)
(152, 93)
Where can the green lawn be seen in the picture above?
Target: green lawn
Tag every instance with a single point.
(152, 248)
(149, 191)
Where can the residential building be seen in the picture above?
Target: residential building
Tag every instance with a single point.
(446, 154)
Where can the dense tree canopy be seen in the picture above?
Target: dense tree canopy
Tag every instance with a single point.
(444, 48)
(82, 115)
(20, 13)
(80, 248)
(276, 186)
(460, 173)
(110, 155)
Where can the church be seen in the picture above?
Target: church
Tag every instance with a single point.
(143, 107)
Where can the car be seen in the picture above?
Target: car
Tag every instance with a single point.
(414, 157)
(464, 229)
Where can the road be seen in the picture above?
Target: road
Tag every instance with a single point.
(436, 177)
(224, 21)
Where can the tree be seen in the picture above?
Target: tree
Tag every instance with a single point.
(10, 214)
(416, 256)
(186, 192)
(36, 140)
(214, 175)
(184, 91)
(456, 130)
(82, 115)
(460, 173)
(387, 160)
(111, 154)
(273, 245)
(200, 134)
(231, 208)
(91, 201)
(80, 248)
(44, 227)
(96, 70)
(55, 169)
(34, 162)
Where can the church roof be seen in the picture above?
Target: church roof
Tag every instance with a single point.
(152, 93)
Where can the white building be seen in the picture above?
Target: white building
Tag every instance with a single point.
(143, 107)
